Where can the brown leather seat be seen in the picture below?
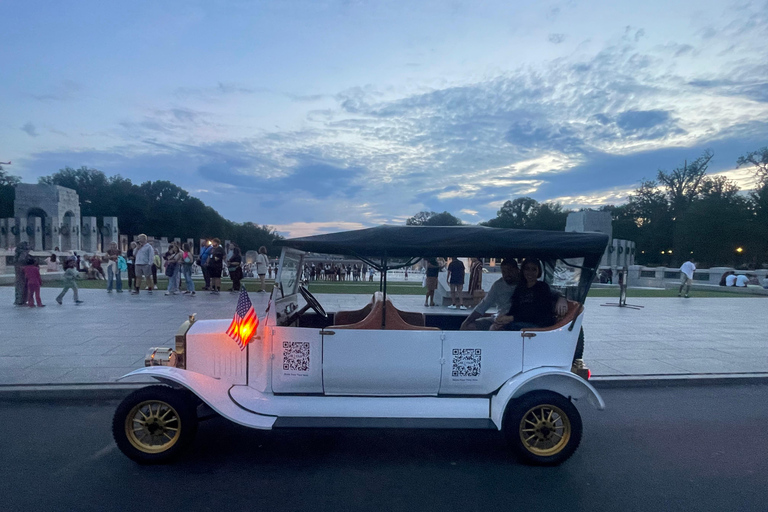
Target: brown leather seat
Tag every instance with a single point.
(574, 310)
(394, 319)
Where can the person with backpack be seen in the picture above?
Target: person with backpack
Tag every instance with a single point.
(202, 262)
(187, 259)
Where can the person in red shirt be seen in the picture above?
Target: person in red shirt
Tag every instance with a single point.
(34, 281)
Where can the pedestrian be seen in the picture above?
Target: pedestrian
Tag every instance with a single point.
(157, 263)
(262, 262)
(143, 264)
(21, 255)
(475, 278)
(113, 271)
(34, 281)
(456, 271)
(686, 276)
(129, 261)
(122, 266)
(216, 265)
(172, 270)
(430, 280)
(98, 272)
(187, 259)
(71, 275)
(52, 265)
(235, 268)
(202, 261)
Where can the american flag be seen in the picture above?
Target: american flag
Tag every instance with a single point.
(245, 321)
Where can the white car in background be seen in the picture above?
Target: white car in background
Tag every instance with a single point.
(379, 366)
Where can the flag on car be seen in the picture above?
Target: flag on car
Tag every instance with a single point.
(245, 321)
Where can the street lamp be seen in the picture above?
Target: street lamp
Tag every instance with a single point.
(739, 250)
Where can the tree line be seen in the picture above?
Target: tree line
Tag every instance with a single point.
(156, 208)
(681, 213)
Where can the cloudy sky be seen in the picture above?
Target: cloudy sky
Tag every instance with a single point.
(315, 116)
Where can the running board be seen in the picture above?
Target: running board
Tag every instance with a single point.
(436, 423)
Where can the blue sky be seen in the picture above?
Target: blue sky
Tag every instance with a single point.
(319, 116)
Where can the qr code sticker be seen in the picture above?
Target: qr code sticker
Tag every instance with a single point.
(466, 362)
(296, 356)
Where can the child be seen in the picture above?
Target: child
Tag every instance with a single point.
(70, 277)
(32, 273)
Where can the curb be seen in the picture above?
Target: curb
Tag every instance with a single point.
(55, 392)
(117, 391)
(671, 380)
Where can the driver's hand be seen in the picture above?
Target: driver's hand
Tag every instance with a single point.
(561, 306)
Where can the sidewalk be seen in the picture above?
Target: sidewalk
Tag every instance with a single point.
(108, 335)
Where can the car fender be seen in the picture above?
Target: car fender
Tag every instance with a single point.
(560, 381)
(213, 392)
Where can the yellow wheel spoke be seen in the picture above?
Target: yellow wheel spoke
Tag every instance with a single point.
(168, 436)
(551, 411)
(528, 430)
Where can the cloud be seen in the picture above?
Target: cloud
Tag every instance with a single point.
(65, 91)
(299, 229)
(556, 38)
(30, 129)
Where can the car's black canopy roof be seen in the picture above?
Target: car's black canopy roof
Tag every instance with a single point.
(455, 241)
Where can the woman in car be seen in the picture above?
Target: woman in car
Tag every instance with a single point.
(531, 302)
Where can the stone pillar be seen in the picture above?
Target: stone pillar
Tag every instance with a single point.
(4, 234)
(123, 245)
(191, 244)
(89, 234)
(36, 238)
(109, 232)
(52, 234)
(21, 226)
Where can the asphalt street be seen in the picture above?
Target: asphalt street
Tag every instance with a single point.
(657, 449)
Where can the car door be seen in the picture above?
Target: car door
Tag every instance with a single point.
(381, 362)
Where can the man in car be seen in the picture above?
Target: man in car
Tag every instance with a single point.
(500, 295)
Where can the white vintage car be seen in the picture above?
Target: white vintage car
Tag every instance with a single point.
(379, 366)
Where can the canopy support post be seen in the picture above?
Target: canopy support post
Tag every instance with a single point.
(384, 290)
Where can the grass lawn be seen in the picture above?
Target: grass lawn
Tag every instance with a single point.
(404, 288)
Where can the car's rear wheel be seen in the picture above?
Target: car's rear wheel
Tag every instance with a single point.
(543, 428)
(154, 424)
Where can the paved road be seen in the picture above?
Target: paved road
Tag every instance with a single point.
(654, 449)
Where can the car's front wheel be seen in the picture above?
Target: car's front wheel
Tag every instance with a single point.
(543, 428)
(153, 424)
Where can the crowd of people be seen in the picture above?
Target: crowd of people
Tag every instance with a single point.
(140, 264)
(331, 271)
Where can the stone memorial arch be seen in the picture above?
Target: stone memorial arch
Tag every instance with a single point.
(49, 216)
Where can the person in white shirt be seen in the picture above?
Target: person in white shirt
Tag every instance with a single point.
(686, 276)
(500, 295)
(730, 280)
(144, 257)
(742, 280)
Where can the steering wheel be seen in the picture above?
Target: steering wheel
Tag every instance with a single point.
(312, 301)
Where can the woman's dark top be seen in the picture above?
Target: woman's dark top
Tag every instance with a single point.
(433, 268)
(533, 304)
(216, 260)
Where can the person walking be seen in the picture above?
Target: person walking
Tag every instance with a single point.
(71, 275)
(143, 262)
(456, 271)
(172, 270)
(21, 255)
(157, 263)
(202, 261)
(686, 276)
(113, 272)
(216, 265)
(34, 281)
(122, 266)
(187, 259)
(262, 262)
(235, 265)
(130, 262)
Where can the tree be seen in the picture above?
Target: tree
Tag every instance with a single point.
(8, 184)
(425, 218)
(648, 209)
(759, 159)
(683, 185)
(514, 214)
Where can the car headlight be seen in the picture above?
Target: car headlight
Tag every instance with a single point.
(158, 356)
